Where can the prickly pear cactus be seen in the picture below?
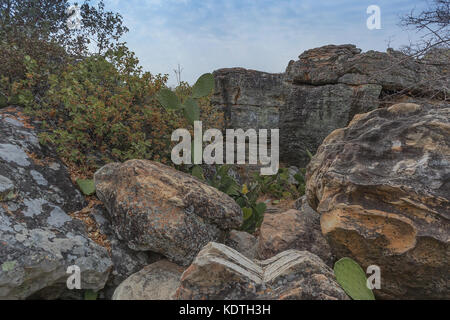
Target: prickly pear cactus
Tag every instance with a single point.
(352, 279)
(86, 186)
(191, 110)
(204, 86)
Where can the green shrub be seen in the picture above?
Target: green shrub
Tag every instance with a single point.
(105, 109)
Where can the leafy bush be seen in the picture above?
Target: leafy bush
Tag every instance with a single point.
(104, 109)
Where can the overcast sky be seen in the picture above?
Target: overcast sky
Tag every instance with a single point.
(205, 35)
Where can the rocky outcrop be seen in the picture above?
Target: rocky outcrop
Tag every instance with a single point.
(249, 99)
(392, 70)
(221, 273)
(382, 188)
(156, 208)
(293, 229)
(312, 112)
(158, 281)
(321, 92)
(39, 240)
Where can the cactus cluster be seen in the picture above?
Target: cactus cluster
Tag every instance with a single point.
(352, 279)
(202, 88)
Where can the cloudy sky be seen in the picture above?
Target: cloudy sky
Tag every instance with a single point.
(205, 35)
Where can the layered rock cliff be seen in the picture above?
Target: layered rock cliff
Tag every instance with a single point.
(321, 92)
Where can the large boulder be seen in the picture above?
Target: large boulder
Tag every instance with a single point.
(393, 70)
(156, 208)
(158, 281)
(39, 240)
(321, 66)
(382, 188)
(221, 273)
(293, 229)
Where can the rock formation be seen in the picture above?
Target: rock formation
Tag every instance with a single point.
(382, 188)
(221, 273)
(243, 242)
(125, 260)
(321, 92)
(250, 99)
(156, 208)
(293, 229)
(39, 240)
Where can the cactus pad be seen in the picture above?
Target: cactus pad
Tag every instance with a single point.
(168, 99)
(86, 186)
(352, 279)
(191, 110)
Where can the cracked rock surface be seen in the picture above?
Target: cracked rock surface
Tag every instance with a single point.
(221, 273)
(156, 208)
(38, 238)
(382, 188)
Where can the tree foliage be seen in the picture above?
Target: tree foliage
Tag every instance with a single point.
(434, 25)
(39, 29)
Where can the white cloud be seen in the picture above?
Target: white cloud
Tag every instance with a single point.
(206, 35)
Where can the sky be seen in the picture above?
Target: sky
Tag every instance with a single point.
(206, 35)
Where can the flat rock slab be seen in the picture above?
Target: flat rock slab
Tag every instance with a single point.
(221, 273)
(157, 208)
